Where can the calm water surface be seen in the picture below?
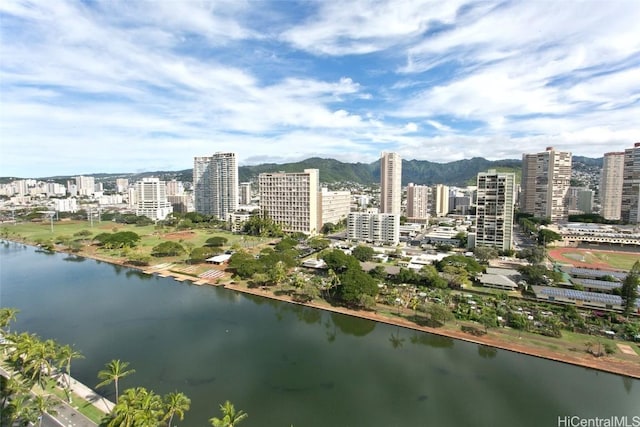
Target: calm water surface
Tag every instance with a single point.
(285, 364)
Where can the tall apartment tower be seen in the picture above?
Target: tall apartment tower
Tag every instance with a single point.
(494, 209)
(291, 200)
(630, 209)
(245, 193)
(546, 177)
(215, 185)
(440, 200)
(86, 185)
(417, 201)
(611, 185)
(151, 199)
(390, 183)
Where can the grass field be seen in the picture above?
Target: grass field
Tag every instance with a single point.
(150, 236)
(591, 258)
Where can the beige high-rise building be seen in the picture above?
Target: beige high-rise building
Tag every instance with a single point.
(334, 206)
(215, 185)
(245, 193)
(611, 185)
(417, 201)
(122, 184)
(630, 209)
(390, 183)
(291, 199)
(440, 200)
(546, 177)
(494, 209)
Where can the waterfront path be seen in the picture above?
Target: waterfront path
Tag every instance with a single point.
(68, 416)
(102, 403)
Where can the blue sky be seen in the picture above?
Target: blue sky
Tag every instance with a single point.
(126, 86)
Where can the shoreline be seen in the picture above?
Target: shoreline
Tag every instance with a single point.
(604, 364)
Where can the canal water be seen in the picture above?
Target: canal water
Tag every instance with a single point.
(285, 364)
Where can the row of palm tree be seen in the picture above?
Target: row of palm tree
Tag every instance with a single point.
(139, 407)
(33, 361)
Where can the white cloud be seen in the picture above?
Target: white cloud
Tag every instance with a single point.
(360, 27)
(120, 86)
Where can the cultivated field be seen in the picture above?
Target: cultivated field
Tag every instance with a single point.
(589, 258)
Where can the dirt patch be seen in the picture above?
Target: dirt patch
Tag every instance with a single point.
(179, 235)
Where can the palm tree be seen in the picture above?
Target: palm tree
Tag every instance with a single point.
(38, 362)
(7, 315)
(230, 418)
(138, 407)
(65, 354)
(176, 403)
(42, 404)
(21, 408)
(116, 369)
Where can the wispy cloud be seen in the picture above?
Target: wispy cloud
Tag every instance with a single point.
(117, 86)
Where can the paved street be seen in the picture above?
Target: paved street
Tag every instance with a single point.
(66, 415)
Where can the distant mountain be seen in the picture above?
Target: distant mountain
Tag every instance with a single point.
(421, 172)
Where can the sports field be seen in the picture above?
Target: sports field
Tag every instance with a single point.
(589, 258)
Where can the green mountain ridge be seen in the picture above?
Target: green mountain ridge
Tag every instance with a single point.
(420, 172)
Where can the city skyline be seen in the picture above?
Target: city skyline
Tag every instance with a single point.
(119, 87)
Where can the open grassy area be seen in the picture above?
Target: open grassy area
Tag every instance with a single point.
(594, 257)
(150, 237)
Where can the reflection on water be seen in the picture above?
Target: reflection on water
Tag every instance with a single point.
(288, 364)
(353, 325)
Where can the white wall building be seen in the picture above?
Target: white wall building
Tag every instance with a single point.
(611, 180)
(151, 199)
(86, 185)
(65, 205)
(374, 228)
(215, 185)
(494, 209)
(417, 201)
(291, 199)
(630, 209)
(546, 177)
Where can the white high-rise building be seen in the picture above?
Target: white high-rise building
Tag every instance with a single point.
(86, 185)
(245, 193)
(630, 209)
(334, 206)
(494, 209)
(390, 183)
(291, 200)
(374, 228)
(611, 181)
(215, 185)
(151, 199)
(417, 201)
(440, 200)
(546, 177)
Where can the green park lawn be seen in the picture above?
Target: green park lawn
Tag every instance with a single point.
(619, 260)
(150, 236)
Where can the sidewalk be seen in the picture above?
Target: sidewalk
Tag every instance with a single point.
(102, 403)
